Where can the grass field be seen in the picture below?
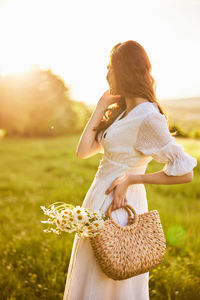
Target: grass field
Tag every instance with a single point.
(38, 172)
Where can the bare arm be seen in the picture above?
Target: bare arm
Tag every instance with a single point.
(120, 184)
(159, 178)
(126, 179)
(87, 145)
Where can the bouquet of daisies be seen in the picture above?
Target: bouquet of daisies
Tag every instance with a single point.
(65, 217)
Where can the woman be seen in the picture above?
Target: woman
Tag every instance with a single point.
(129, 134)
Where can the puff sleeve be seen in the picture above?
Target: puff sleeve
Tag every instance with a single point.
(154, 139)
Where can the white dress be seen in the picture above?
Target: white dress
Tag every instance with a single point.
(128, 144)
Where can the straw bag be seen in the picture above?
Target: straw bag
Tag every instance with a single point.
(126, 251)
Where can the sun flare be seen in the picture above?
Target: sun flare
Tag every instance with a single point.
(55, 34)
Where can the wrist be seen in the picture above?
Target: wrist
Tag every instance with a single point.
(101, 105)
(135, 179)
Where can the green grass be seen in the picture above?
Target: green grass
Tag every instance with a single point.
(38, 172)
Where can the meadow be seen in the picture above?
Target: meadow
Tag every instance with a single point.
(41, 171)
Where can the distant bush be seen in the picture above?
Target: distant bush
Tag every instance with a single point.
(178, 130)
(195, 133)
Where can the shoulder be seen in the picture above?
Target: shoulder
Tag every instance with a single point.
(146, 114)
(150, 107)
(153, 123)
(150, 113)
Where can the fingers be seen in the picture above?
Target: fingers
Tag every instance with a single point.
(119, 202)
(113, 184)
(116, 96)
(107, 92)
(125, 201)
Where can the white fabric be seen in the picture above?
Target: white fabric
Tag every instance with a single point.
(122, 146)
(155, 139)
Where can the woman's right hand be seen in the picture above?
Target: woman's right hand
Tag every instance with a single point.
(108, 99)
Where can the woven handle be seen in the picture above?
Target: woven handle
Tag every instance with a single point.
(128, 208)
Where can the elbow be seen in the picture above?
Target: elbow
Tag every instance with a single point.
(190, 176)
(84, 153)
(187, 177)
(79, 155)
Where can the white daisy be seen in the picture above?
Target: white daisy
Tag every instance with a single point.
(98, 224)
(58, 222)
(91, 227)
(78, 210)
(81, 217)
(67, 212)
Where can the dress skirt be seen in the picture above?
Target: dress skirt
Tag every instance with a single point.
(85, 280)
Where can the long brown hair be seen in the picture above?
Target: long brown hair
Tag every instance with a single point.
(132, 71)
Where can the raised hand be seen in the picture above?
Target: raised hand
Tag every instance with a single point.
(108, 99)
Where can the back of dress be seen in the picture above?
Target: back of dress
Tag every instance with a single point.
(128, 145)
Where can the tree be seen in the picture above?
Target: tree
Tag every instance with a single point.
(38, 103)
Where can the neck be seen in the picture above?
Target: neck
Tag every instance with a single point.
(132, 102)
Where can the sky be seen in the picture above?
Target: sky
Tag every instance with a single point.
(74, 39)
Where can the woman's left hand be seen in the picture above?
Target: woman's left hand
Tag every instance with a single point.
(120, 185)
